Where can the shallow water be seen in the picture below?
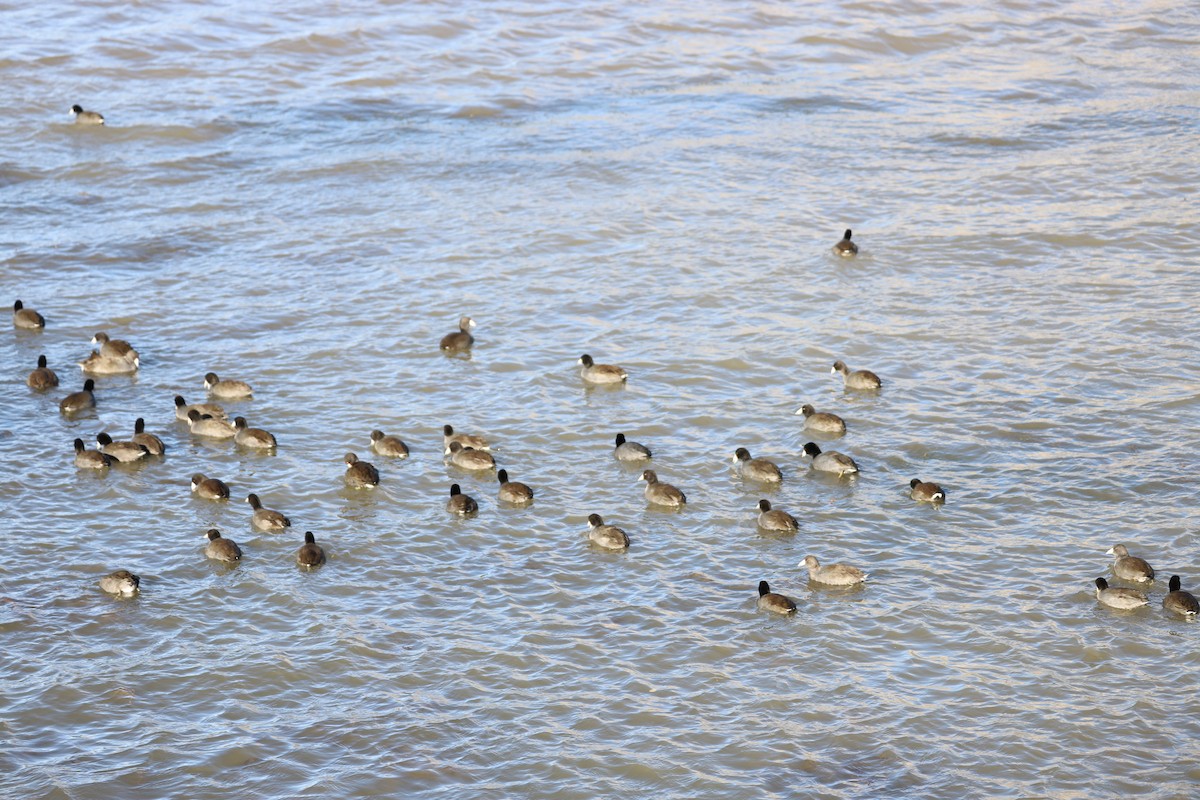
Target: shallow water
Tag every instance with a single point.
(308, 200)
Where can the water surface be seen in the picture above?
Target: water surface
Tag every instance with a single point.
(308, 199)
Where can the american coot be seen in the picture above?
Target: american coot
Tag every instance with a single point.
(255, 438)
(116, 348)
(264, 519)
(461, 339)
(183, 409)
(209, 426)
(845, 247)
(389, 446)
(630, 451)
(770, 601)
(858, 379)
(609, 537)
(756, 469)
(360, 474)
(209, 488)
(310, 553)
(84, 117)
(1129, 568)
(122, 582)
(125, 452)
(832, 461)
(1179, 601)
(512, 491)
(661, 494)
(90, 459)
(152, 443)
(97, 364)
(79, 401)
(221, 549)
(926, 492)
(832, 574)
(227, 389)
(43, 377)
(770, 519)
(820, 421)
(27, 318)
(591, 372)
(1119, 597)
(476, 441)
(460, 503)
(469, 457)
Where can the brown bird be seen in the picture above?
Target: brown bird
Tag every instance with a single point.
(461, 339)
(925, 492)
(27, 318)
(846, 247)
(310, 553)
(43, 377)
(221, 549)
(770, 601)
(513, 491)
(857, 379)
(147, 440)
(79, 401)
(460, 503)
(360, 474)
(209, 488)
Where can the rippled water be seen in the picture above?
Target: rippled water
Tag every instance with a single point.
(308, 199)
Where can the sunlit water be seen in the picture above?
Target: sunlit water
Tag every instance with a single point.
(309, 199)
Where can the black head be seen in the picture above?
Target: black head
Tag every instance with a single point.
(764, 506)
(447, 430)
(742, 454)
(650, 476)
(253, 500)
(455, 447)
(812, 450)
(193, 415)
(211, 377)
(179, 401)
(620, 436)
(100, 337)
(79, 445)
(1174, 584)
(595, 520)
(455, 490)
(139, 425)
(847, 235)
(763, 588)
(840, 366)
(77, 109)
(350, 459)
(309, 538)
(502, 476)
(41, 362)
(89, 385)
(586, 360)
(17, 306)
(376, 436)
(1101, 584)
(913, 483)
(103, 438)
(198, 479)
(239, 422)
(213, 534)
(807, 410)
